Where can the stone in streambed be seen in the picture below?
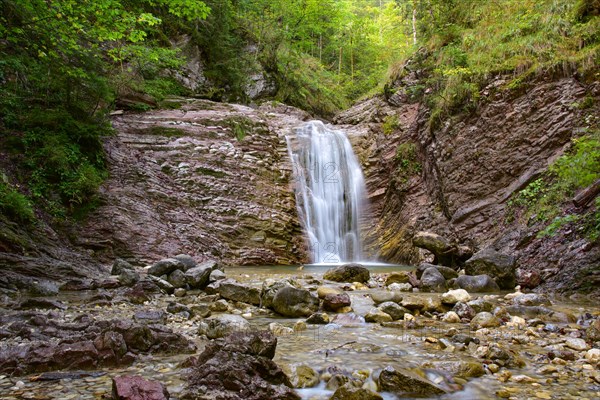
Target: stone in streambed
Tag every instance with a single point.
(323, 291)
(131, 387)
(381, 296)
(348, 273)
(128, 277)
(150, 317)
(501, 267)
(463, 369)
(476, 284)
(271, 287)
(233, 290)
(162, 284)
(318, 319)
(393, 310)
(484, 320)
(217, 275)
(397, 277)
(165, 267)
(455, 296)
(336, 302)
(119, 265)
(292, 302)
(432, 280)
(349, 392)
(197, 277)
(447, 273)
(177, 279)
(302, 376)
(407, 382)
(219, 326)
(377, 316)
(187, 261)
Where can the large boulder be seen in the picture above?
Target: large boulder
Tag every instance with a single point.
(177, 278)
(240, 367)
(165, 267)
(292, 302)
(119, 265)
(233, 290)
(197, 277)
(476, 284)
(271, 287)
(133, 387)
(393, 310)
(432, 280)
(447, 273)
(444, 252)
(408, 383)
(187, 261)
(501, 267)
(219, 326)
(348, 273)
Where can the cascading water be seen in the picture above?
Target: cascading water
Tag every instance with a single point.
(330, 192)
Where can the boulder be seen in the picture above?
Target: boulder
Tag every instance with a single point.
(217, 275)
(432, 280)
(133, 387)
(476, 284)
(162, 284)
(335, 302)
(271, 287)
(240, 367)
(292, 302)
(177, 278)
(165, 267)
(484, 320)
(393, 310)
(397, 277)
(349, 392)
(408, 383)
(455, 296)
(219, 326)
(381, 296)
(318, 319)
(197, 277)
(233, 290)
(348, 273)
(463, 310)
(187, 261)
(119, 265)
(150, 317)
(447, 273)
(323, 291)
(462, 369)
(303, 376)
(378, 316)
(500, 267)
(128, 277)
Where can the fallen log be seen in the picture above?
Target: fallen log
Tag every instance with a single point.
(587, 195)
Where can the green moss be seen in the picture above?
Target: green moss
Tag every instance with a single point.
(390, 124)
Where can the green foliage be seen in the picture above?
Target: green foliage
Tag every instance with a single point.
(407, 163)
(15, 205)
(390, 124)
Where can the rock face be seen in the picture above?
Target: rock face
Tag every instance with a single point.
(239, 368)
(500, 267)
(129, 387)
(210, 180)
(348, 273)
(469, 166)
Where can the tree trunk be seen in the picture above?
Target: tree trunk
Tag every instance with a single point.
(414, 25)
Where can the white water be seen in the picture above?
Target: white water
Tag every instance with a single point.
(330, 192)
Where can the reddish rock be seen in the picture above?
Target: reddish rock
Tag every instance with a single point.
(132, 387)
(334, 302)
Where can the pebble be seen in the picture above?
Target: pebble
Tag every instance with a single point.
(543, 395)
(576, 344)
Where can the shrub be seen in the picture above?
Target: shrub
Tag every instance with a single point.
(15, 205)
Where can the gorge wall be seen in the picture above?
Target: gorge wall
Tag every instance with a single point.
(457, 179)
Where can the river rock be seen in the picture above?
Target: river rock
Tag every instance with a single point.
(413, 302)
(593, 331)
(381, 296)
(119, 265)
(350, 392)
(455, 296)
(150, 317)
(348, 273)
(187, 261)
(177, 279)
(393, 310)
(451, 317)
(464, 310)
(233, 290)
(463, 369)
(323, 291)
(576, 344)
(280, 330)
(336, 302)
(197, 277)
(484, 320)
(500, 267)
(292, 302)
(377, 316)
(433, 242)
(447, 273)
(432, 280)
(302, 376)
(407, 383)
(593, 356)
(217, 275)
(239, 368)
(397, 277)
(131, 387)
(162, 284)
(270, 289)
(530, 299)
(165, 267)
(219, 326)
(128, 277)
(476, 284)
(400, 287)
(318, 319)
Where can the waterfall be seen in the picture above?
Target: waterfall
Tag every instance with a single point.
(330, 192)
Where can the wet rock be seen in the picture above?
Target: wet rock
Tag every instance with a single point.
(476, 284)
(432, 280)
(150, 317)
(397, 277)
(464, 339)
(187, 261)
(451, 317)
(300, 326)
(292, 302)
(197, 277)
(336, 302)
(480, 304)
(433, 242)
(576, 344)
(593, 331)
(129, 387)
(303, 376)
(500, 267)
(455, 296)
(336, 381)
(447, 273)
(407, 383)
(400, 287)
(232, 290)
(484, 320)
(47, 304)
(530, 299)
(318, 319)
(162, 284)
(216, 275)
(165, 267)
(463, 369)
(177, 279)
(393, 310)
(219, 326)
(323, 291)
(348, 273)
(348, 319)
(179, 292)
(413, 303)
(528, 279)
(381, 296)
(280, 330)
(378, 316)
(128, 277)
(240, 367)
(270, 289)
(119, 265)
(349, 392)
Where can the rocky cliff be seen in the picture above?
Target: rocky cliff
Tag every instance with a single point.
(457, 179)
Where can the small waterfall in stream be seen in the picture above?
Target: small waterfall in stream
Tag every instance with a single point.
(330, 192)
